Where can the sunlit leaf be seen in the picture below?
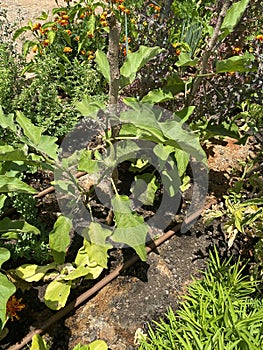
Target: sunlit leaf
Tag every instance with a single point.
(59, 238)
(57, 293)
(130, 227)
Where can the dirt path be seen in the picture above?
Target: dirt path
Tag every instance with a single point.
(28, 9)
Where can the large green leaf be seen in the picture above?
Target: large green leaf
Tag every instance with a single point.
(59, 238)
(47, 145)
(236, 64)
(32, 132)
(17, 226)
(57, 293)
(233, 16)
(146, 120)
(95, 247)
(13, 184)
(130, 227)
(103, 64)
(9, 153)
(34, 273)
(185, 140)
(135, 61)
(6, 288)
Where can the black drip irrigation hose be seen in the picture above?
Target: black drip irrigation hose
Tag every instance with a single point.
(106, 280)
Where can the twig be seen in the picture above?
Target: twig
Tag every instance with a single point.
(208, 51)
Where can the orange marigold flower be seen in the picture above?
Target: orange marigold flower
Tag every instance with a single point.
(90, 52)
(104, 23)
(46, 42)
(82, 52)
(68, 31)
(259, 37)
(177, 52)
(151, 5)
(128, 39)
(62, 13)
(156, 15)
(237, 50)
(35, 49)
(65, 17)
(90, 57)
(13, 306)
(157, 8)
(36, 26)
(77, 38)
(63, 22)
(82, 15)
(121, 7)
(127, 11)
(102, 18)
(67, 49)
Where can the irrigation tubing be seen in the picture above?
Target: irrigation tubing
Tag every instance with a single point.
(106, 280)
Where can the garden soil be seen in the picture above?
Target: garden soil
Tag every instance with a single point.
(145, 291)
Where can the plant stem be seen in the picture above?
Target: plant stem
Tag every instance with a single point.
(208, 52)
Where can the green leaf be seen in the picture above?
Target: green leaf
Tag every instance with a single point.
(6, 288)
(59, 238)
(51, 35)
(130, 227)
(182, 139)
(182, 161)
(91, 23)
(89, 107)
(7, 121)
(38, 343)
(157, 96)
(47, 145)
(98, 345)
(174, 84)
(144, 119)
(17, 226)
(233, 16)
(86, 163)
(32, 132)
(2, 201)
(95, 345)
(10, 153)
(144, 188)
(20, 31)
(185, 60)
(34, 273)
(95, 247)
(57, 293)
(43, 16)
(81, 271)
(13, 184)
(135, 61)
(103, 64)
(236, 64)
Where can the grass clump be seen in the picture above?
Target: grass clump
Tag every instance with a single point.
(219, 312)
